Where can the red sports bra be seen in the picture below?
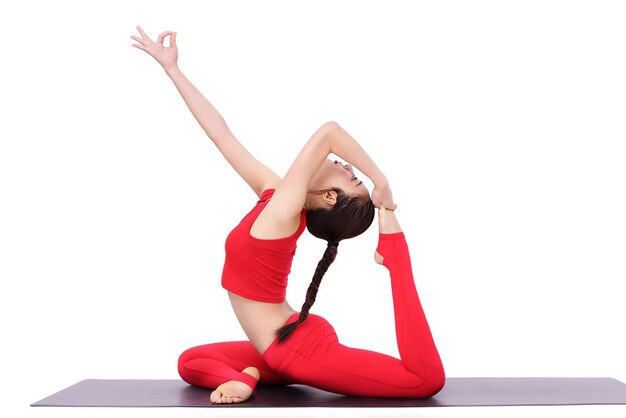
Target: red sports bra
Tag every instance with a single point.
(256, 268)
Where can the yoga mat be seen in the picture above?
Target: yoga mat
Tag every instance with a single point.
(459, 391)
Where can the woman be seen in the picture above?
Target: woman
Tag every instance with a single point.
(286, 346)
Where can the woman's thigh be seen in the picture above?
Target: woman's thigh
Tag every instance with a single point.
(312, 355)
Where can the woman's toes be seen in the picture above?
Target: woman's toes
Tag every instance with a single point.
(216, 396)
(232, 391)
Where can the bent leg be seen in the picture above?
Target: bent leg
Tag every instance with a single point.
(415, 341)
(312, 355)
(210, 365)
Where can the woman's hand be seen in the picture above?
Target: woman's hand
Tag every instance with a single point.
(166, 56)
(382, 197)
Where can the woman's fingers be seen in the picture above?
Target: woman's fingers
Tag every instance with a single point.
(143, 34)
(167, 57)
(144, 38)
(141, 41)
(391, 207)
(162, 37)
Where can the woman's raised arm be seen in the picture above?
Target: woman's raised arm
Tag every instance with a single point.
(330, 138)
(258, 176)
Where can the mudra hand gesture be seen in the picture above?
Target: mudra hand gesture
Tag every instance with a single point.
(166, 56)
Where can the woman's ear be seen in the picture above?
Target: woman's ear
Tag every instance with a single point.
(330, 197)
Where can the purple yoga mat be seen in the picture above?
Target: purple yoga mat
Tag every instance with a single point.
(460, 391)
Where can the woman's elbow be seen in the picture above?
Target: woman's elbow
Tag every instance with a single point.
(328, 130)
(330, 126)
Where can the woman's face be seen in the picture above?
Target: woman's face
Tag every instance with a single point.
(334, 173)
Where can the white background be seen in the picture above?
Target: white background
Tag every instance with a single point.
(500, 126)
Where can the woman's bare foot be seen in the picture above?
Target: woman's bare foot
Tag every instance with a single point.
(387, 224)
(234, 391)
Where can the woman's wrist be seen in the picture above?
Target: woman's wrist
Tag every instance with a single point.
(171, 69)
(380, 181)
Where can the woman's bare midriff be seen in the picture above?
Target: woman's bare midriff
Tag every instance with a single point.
(260, 320)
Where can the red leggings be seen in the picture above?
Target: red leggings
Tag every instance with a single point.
(313, 356)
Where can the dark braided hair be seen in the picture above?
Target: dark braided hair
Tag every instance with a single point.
(350, 216)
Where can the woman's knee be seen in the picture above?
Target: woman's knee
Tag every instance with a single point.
(185, 357)
(433, 383)
(190, 355)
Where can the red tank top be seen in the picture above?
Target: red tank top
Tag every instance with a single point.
(256, 268)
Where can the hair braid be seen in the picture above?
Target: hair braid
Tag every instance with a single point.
(350, 216)
(311, 293)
